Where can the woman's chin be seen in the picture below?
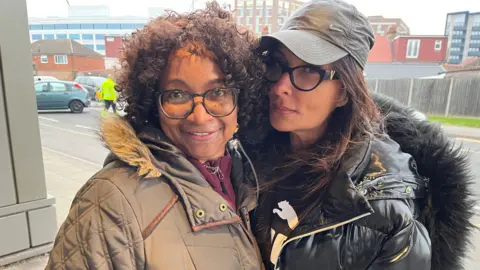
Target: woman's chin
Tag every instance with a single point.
(282, 126)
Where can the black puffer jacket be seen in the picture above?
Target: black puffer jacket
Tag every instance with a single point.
(400, 202)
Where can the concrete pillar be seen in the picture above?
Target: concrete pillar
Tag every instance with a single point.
(27, 215)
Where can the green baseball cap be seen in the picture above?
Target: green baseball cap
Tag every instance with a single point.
(324, 31)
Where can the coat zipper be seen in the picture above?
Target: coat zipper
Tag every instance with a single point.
(331, 227)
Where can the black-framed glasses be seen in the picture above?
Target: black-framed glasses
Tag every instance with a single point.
(304, 77)
(178, 104)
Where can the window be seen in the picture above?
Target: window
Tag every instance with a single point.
(413, 46)
(41, 87)
(36, 27)
(100, 47)
(61, 36)
(87, 26)
(99, 26)
(379, 28)
(87, 36)
(74, 26)
(74, 36)
(61, 59)
(57, 87)
(438, 45)
(61, 26)
(48, 36)
(242, 13)
(36, 36)
(90, 46)
(139, 25)
(113, 26)
(48, 27)
(44, 59)
(127, 26)
(99, 37)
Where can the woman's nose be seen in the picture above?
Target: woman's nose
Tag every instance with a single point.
(199, 114)
(283, 86)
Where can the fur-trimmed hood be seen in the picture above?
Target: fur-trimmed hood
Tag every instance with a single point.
(449, 205)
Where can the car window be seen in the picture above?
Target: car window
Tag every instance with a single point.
(89, 82)
(57, 87)
(80, 80)
(99, 81)
(40, 87)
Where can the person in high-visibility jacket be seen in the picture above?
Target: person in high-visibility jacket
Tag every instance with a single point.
(109, 95)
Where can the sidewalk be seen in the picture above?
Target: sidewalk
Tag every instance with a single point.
(462, 132)
(64, 177)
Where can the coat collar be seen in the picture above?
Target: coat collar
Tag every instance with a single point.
(154, 155)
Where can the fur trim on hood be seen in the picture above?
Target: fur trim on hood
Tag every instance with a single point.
(120, 138)
(449, 204)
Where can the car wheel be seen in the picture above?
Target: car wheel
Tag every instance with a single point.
(76, 106)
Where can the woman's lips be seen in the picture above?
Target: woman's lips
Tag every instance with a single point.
(204, 136)
(282, 110)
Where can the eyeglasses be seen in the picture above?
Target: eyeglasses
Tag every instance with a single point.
(178, 104)
(304, 77)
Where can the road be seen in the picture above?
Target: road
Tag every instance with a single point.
(72, 141)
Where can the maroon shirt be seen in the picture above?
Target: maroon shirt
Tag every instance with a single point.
(220, 181)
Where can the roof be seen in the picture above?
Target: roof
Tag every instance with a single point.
(472, 62)
(62, 46)
(421, 36)
(402, 70)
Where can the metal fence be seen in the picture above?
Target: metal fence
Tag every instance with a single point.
(448, 96)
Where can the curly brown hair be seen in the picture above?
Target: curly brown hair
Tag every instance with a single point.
(145, 56)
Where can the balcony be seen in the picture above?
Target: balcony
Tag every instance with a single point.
(456, 52)
(476, 27)
(474, 45)
(458, 36)
(458, 45)
(475, 37)
(473, 53)
(459, 27)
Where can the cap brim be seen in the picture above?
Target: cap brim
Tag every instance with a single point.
(306, 46)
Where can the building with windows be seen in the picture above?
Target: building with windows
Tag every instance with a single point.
(406, 57)
(381, 25)
(89, 30)
(64, 58)
(264, 16)
(463, 32)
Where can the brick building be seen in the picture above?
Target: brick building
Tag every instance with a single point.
(264, 16)
(418, 49)
(64, 58)
(381, 25)
(113, 46)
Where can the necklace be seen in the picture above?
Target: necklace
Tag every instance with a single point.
(215, 170)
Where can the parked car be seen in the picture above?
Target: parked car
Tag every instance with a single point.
(44, 78)
(53, 95)
(93, 84)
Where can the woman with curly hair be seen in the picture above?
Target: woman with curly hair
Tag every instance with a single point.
(174, 192)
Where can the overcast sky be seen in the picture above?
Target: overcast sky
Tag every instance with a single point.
(424, 17)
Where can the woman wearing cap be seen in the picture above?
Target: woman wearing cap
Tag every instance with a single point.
(173, 194)
(341, 187)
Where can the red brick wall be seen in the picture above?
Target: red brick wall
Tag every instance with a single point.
(51, 64)
(82, 63)
(112, 48)
(67, 71)
(381, 51)
(427, 52)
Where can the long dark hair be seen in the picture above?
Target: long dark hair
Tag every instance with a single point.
(347, 126)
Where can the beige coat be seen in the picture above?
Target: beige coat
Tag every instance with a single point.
(149, 208)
